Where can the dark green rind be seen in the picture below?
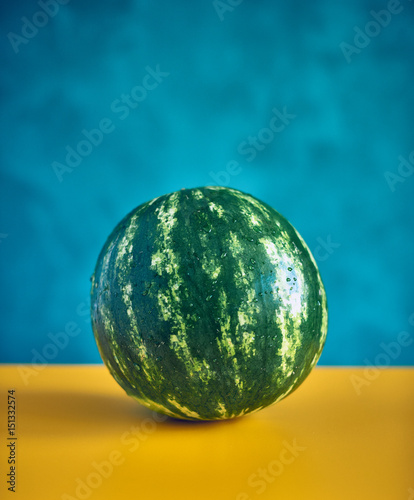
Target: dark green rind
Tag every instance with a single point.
(162, 325)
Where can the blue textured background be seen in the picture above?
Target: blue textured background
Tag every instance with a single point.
(325, 171)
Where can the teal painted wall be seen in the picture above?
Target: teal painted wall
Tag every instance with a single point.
(156, 96)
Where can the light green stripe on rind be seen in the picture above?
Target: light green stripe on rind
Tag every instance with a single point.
(101, 287)
(152, 405)
(125, 247)
(136, 336)
(198, 195)
(290, 294)
(123, 263)
(322, 301)
(247, 323)
(183, 409)
(166, 263)
(254, 203)
(216, 208)
(164, 260)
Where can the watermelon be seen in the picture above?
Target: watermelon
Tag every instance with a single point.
(207, 304)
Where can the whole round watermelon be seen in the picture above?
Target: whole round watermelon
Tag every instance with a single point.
(207, 304)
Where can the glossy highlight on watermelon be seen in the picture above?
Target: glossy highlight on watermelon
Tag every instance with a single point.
(207, 304)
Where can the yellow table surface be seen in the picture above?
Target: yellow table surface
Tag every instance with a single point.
(344, 434)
